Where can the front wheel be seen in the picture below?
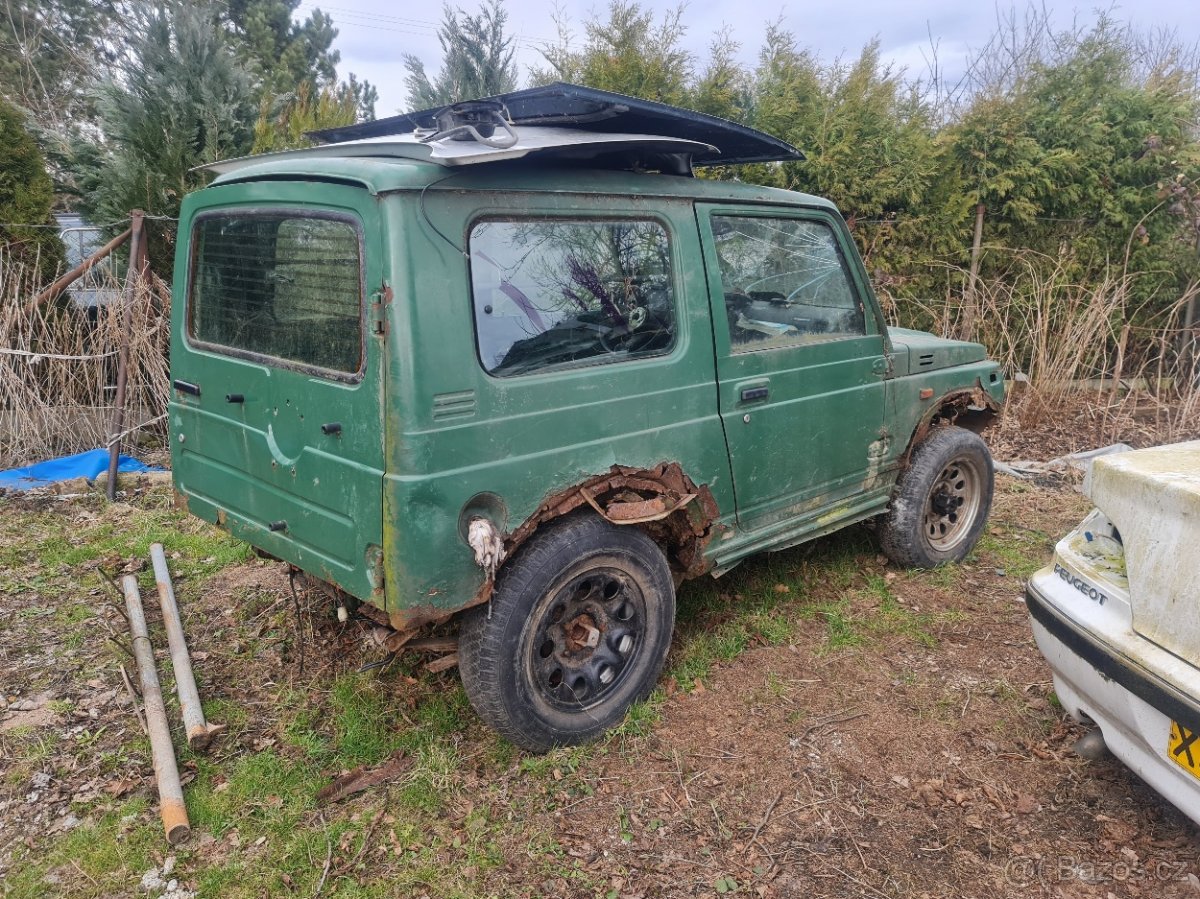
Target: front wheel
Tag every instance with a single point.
(941, 501)
(577, 631)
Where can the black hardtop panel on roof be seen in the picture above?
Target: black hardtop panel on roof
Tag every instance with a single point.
(589, 109)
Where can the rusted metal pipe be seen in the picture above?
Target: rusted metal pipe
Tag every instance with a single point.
(170, 791)
(199, 732)
(79, 271)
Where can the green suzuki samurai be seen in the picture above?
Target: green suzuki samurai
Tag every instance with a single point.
(509, 362)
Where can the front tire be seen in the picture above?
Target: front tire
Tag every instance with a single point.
(941, 501)
(577, 630)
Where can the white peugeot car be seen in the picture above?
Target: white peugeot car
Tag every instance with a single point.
(1117, 616)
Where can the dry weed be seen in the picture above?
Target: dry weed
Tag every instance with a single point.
(58, 366)
(1133, 363)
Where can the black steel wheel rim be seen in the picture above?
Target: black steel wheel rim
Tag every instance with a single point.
(586, 638)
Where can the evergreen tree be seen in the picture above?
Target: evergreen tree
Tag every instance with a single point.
(285, 127)
(26, 197)
(280, 52)
(182, 101)
(477, 59)
(724, 88)
(1085, 155)
(867, 137)
(628, 53)
(365, 94)
(787, 86)
(865, 134)
(49, 52)
(285, 57)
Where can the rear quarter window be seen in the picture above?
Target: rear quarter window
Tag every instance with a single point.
(283, 286)
(554, 293)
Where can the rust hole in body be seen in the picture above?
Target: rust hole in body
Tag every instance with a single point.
(663, 501)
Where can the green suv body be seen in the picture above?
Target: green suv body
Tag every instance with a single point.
(400, 377)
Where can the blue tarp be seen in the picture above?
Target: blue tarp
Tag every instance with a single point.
(81, 465)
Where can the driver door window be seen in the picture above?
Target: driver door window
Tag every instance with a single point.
(785, 283)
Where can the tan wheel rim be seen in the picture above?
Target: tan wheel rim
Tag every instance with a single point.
(953, 504)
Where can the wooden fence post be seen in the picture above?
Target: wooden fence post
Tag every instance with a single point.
(1187, 338)
(971, 311)
(137, 265)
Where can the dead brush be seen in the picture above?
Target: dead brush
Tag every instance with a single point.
(1129, 366)
(58, 365)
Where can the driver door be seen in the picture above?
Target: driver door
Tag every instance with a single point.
(800, 360)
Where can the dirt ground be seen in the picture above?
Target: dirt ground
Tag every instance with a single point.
(828, 726)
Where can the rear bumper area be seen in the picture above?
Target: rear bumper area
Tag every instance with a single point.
(1133, 705)
(1111, 665)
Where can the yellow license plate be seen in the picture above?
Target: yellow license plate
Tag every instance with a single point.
(1183, 746)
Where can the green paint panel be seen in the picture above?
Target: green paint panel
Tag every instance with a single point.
(428, 438)
(249, 450)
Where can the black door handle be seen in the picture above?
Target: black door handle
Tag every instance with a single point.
(186, 387)
(755, 393)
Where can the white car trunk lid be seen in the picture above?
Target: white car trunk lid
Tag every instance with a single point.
(1152, 496)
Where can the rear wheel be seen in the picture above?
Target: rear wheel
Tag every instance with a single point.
(576, 632)
(941, 502)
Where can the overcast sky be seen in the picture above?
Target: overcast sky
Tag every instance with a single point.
(374, 34)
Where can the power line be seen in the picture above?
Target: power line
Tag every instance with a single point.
(405, 20)
(427, 27)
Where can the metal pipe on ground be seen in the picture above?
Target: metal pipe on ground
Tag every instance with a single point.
(199, 732)
(166, 771)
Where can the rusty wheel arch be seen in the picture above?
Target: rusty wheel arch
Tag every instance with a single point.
(972, 408)
(663, 501)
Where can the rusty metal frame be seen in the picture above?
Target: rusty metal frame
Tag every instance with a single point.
(662, 500)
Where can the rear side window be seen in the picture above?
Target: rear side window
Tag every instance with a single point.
(281, 285)
(550, 294)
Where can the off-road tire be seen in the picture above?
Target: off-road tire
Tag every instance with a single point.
(941, 501)
(522, 667)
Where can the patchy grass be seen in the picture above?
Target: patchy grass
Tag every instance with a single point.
(41, 553)
(202, 550)
(472, 815)
(889, 616)
(758, 604)
(1017, 551)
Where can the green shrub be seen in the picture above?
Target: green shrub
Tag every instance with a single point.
(27, 232)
